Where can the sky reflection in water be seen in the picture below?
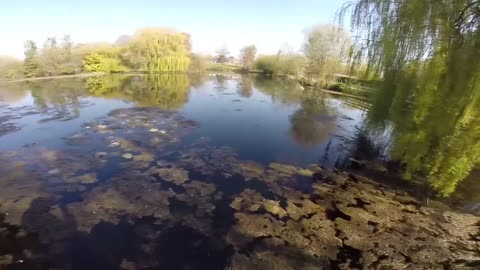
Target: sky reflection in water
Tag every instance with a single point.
(262, 120)
(179, 172)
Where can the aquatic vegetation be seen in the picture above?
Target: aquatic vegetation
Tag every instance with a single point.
(299, 217)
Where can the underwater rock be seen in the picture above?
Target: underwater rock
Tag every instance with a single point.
(283, 168)
(249, 169)
(356, 164)
(175, 175)
(197, 188)
(53, 172)
(127, 156)
(274, 208)
(88, 178)
(114, 144)
(100, 155)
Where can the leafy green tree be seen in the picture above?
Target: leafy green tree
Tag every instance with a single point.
(282, 64)
(428, 55)
(30, 63)
(10, 68)
(268, 64)
(159, 50)
(247, 57)
(198, 62)
(100, 63)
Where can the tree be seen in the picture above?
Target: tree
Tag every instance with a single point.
(10, 68)
(326, 48)
(67, 45)
(198, 63)
(31, 66)
(290, 63)
(247, 56)
(101, 63)
(50, 57)
(159, 50)
(222, 54)
(428, 55)
(281, 64)
(268, 64)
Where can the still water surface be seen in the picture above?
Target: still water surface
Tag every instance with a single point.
(263, 120)
(187, 172)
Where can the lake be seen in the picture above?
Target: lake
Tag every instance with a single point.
(211, 172)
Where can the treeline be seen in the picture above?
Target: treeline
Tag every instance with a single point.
(325, 52)
(148, 50)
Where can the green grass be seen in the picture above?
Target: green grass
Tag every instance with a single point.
(356, 88)
(223, 67)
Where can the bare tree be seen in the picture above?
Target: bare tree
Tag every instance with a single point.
(222, 54)
(247, 56)
(326, 48)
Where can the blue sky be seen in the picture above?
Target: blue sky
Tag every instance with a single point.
(268, 24)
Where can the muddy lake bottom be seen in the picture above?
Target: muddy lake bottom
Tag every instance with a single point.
(89, 186)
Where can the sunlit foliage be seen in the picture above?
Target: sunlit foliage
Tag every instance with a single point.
(427, 52)
(102, 63)
(281, 64)
(31, 67)
(159, 50)
(10, 68)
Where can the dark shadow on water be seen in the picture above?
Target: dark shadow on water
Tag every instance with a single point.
(137, 243)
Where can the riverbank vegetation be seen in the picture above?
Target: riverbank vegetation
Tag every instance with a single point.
(427, 57)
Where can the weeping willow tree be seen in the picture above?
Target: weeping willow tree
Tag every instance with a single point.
(426, 52)
(158, 50)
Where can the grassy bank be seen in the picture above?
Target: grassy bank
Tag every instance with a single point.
(80, 75)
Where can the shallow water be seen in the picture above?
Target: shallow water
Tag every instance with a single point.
(257, 120)
(218, 172)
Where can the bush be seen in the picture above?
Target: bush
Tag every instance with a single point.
(268, 64)
(281, 64)
(100, 63)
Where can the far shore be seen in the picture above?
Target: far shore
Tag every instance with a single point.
(80, 75)
(86, 75)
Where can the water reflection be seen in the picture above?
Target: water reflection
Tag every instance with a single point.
(312, 123)
(167, 91)
(169, 172)
(12, 93)
(284, 91)
(245, 86)
(427, 135)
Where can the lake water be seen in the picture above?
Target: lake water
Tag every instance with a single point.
(263, 120)
(183, 172)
